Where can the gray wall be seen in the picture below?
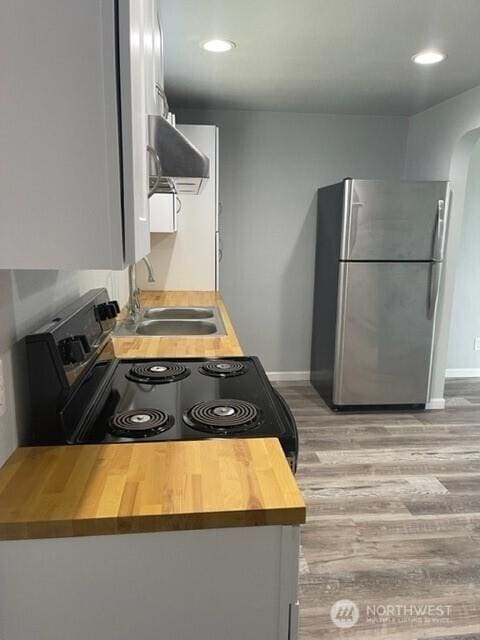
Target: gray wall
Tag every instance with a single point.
(465, 323)
(27, 300)
(271, 165)
(439, 146)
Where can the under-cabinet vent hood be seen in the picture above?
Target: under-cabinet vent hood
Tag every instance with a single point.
(176, 165)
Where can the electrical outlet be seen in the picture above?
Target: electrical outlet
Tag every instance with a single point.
(476, 344)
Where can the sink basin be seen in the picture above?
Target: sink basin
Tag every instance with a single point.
(179, 313)
(174, 321)
(176, 328)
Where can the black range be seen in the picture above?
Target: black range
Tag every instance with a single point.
(82, 394)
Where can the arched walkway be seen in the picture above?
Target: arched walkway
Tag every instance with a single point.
(458, 179)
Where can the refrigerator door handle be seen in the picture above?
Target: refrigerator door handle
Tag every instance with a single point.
(434, 289)
(439, 234)
(354, 209)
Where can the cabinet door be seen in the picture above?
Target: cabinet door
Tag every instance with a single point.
(74, 191)
(154, 61)
(192, 586)
(133, 40)
(60, 177)
(164, 209)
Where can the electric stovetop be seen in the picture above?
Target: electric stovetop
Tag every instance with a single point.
(185, 399)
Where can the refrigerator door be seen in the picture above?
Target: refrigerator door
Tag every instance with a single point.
(384, 332)
(392, 220)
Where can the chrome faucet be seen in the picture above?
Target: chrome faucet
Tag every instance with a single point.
(134, 306)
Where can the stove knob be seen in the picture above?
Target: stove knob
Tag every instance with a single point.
(101, 311)
(113, 309)
(85, 343)
(107, 310)
(72, 349)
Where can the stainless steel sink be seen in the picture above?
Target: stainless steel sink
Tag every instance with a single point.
(179, 313)
(176, 328)
(174, 321)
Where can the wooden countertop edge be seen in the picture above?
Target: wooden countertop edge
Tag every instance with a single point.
(285, 516)
(89, 490)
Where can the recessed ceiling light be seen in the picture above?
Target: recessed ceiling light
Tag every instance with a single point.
(218, 46)
(428, 57)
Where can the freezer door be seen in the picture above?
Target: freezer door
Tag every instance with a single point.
(384, 332)
(393, 220)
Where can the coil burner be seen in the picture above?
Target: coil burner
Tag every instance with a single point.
(139, 423)
(223, 417)
(223, 368)
(157, 372)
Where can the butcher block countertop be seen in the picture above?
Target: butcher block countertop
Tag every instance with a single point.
(83, 490)
(180, 346)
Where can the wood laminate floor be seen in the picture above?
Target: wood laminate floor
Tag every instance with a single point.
(393, 518)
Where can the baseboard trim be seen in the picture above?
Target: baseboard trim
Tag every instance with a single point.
(294, 376)
(462, 373)
(435, 403)
(279, 376)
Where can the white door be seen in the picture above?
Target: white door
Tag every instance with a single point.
(187, 260)
(197, 221)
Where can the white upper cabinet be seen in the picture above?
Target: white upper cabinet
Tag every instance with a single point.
(164, 210)
(154, 61)
(133, 41)
(73, 152)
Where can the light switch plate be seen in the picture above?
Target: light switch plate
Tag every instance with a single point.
(476, 344)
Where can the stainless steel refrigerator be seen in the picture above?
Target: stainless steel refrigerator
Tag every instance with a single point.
(379, 255)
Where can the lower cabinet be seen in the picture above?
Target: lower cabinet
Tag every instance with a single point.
(210, 584)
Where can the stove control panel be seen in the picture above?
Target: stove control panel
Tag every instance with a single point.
(61, 354)
(78, 332)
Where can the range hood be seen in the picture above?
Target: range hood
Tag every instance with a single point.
(176, 165)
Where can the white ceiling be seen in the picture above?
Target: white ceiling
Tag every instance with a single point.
(331, 56)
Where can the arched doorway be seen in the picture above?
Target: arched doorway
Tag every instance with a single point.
(463, 359)
(458, 178)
